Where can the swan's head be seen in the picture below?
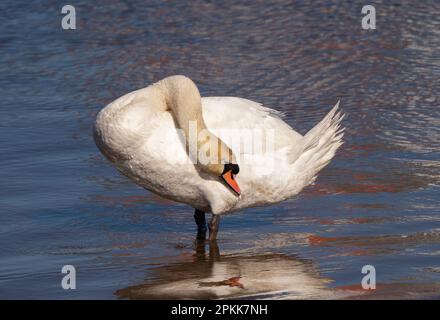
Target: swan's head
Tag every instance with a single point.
(223, 164)
(217, 159)
(230, 170)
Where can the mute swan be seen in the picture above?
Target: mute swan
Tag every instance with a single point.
(216, 154)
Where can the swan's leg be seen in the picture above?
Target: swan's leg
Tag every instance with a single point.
(214, 251)
(200, 249)
(213, 227)
(199, 217)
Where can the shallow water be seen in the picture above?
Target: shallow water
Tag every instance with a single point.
(377, 203)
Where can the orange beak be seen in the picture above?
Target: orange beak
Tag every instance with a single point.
(228, 177)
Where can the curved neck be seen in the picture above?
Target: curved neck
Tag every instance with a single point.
(183, 99)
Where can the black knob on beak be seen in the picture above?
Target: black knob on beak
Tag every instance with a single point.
(231, 167)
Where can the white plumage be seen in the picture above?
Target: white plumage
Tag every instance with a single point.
(138, 133)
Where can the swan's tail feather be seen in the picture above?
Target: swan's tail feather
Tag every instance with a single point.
(320, 145)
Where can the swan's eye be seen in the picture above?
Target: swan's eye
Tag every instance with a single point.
(232, 167)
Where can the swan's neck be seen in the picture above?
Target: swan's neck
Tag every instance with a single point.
(184, 101)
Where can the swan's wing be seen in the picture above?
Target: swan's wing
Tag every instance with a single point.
(241, 116)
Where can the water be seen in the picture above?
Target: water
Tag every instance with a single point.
(377, 203)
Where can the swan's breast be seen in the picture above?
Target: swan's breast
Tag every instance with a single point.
(145, 145)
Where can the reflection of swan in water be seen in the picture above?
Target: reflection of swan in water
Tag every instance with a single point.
(260, 276)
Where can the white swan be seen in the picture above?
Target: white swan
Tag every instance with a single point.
(164, 137)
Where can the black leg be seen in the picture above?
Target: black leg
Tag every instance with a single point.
(200, 249)
(199, 217)
(213, 227)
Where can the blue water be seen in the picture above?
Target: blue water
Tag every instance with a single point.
(377, 203)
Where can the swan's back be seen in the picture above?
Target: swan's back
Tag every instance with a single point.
(243, 115)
